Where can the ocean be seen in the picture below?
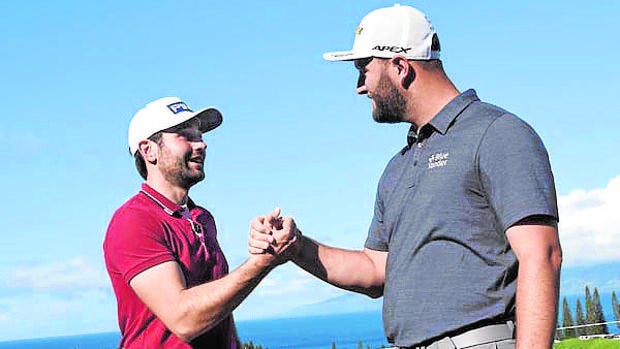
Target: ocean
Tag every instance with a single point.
(312, 332)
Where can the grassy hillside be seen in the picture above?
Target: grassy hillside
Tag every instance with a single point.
(588, 344)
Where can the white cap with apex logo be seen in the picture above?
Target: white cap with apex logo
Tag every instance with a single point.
(391, 31)
(165, 113)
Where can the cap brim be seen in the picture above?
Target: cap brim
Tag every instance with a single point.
(351, 56)
(210, 118)
(344, 56)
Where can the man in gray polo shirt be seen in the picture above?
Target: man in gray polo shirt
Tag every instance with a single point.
(463, 243)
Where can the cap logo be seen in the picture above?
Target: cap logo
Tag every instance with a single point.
(395, 49)
(359, 30)
(178, 107)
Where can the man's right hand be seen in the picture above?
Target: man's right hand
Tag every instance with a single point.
(273, 238)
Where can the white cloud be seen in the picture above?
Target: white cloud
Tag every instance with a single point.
(60, 298)
(74, 275)
(283, 284)
(576, 285)
(590, 225)
(283, 290)
(43, 314)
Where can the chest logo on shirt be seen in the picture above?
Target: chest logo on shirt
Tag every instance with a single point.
(438, 160)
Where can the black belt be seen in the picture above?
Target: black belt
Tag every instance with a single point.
(477, 336)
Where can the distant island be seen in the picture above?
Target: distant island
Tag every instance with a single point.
(344, 304)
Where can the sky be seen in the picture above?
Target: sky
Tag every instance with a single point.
(295, 134)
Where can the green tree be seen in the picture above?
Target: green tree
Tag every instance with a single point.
(333, 345)
(250, 345)
(360, 345)
(590, 316)
(599, 317)
(616, 307)
(567, 321)
(580, 319)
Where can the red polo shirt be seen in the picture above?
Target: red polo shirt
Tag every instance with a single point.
(148, 230)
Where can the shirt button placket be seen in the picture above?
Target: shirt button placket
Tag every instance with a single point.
(415, 168)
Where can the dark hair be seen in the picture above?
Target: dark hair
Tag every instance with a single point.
(433, 64)
(139, 160)
(435, 46)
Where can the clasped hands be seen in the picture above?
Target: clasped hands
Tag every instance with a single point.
(274, 237)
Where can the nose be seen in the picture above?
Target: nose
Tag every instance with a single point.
(361, 84)
(200, 145)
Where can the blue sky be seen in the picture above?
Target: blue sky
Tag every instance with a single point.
(295, 134)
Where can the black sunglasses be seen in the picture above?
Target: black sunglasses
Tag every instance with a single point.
(360, 64)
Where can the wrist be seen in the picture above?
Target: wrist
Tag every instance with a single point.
(299, 245)
(260, 263)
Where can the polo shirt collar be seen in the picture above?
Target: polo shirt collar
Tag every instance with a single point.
(450, 111)
(166, 204)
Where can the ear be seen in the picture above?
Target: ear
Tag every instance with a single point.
(148, 151)
(406, 73)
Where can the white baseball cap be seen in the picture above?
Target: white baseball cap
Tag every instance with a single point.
(165, 113)
(390, 31)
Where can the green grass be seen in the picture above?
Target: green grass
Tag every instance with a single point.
(588, 344)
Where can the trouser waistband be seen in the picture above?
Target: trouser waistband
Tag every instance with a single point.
(477, 336)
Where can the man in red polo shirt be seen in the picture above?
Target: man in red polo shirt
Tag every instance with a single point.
(168, 272)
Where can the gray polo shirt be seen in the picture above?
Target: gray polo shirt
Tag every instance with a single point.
(442, 209)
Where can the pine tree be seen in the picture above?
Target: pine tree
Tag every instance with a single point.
(567, 321)
(590, 316)
(360, 345)
(333, 345)
(616, 307)
(599, 317)
(579, 319)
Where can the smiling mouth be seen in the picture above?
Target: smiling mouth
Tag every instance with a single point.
(198, 160)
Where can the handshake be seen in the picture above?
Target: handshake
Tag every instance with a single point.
(274, 239)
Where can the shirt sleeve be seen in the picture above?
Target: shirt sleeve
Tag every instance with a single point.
(135, 241)
(515, 172)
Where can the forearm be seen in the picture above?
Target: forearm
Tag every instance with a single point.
(537, 297)
(202, 307)
(350, 270)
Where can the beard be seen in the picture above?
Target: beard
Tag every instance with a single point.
(390, 103)
(176, 170)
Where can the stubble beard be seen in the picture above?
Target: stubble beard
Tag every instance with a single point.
(176, 171)
(390, 103)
